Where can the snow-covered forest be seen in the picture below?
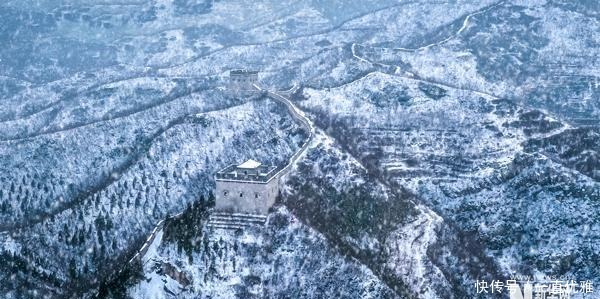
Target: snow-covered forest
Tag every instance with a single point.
(454, 141)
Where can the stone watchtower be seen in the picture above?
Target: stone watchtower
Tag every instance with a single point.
(247, 188)
(242, 81)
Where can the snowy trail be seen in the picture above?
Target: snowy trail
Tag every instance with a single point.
(409, 245)
(92, 87)
(83, 88)
(457, 33)
(416, 77)
(122, 114)
(290, 38)
(149, 248)
(155, 237)
(115, 174)
(407, 240)
(359, 57)
(410, 75)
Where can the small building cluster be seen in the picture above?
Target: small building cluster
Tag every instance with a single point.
(247, 188)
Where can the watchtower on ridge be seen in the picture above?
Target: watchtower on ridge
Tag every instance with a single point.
(248, 188)
(242, 81)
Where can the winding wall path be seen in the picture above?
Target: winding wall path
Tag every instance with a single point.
(301, 118)
(297, 114)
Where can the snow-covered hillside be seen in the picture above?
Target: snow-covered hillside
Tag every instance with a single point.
(455, 141)
(78, 237)
(281, 259)
(501, 172)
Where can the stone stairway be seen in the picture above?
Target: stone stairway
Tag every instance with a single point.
(235, 220)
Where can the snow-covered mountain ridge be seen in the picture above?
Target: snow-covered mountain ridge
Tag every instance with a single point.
(456, 141)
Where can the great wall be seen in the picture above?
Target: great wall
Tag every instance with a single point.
(297, 114)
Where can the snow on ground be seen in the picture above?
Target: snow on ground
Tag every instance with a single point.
(408, 247)
(284, 257)
(176, 169)
(465, 154)
(407, 17)
(149, 287)
(115, 74)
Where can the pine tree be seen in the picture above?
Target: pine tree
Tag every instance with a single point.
(72, 269)
(211, 198)
(81, 237)
(74, 239)
(100, 237)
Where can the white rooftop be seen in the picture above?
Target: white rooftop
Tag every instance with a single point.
(250, 164)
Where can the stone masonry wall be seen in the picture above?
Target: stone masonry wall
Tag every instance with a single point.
(248, 202)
